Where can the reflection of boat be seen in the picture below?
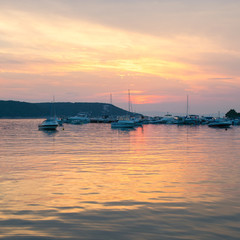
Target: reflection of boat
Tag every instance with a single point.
(48, 124)
(220, 123)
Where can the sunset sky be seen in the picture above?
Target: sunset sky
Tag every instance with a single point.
(83, 51)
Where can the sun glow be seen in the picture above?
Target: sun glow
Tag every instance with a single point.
(147, 99)
(68, 46)
(89, 54)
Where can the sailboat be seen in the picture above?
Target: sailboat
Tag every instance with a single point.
(50, 123)
(191, 119)
(125, 122)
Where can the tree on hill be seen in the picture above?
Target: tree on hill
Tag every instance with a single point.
(232, 114)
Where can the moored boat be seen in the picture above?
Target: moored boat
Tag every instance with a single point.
(123, 123)
(167, 119)
(220, 123)
(79, 119)
(48, 124)
(191, 120)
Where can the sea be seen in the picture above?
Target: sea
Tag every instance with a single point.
(92, 182)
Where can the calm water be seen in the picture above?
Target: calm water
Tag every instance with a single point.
(94, 182)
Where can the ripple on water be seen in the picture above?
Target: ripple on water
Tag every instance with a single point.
(93, 182)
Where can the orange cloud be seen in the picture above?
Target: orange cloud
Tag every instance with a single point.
(147, 99)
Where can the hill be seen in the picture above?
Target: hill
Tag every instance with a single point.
(16, 109)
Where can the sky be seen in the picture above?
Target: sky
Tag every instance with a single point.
(86, 51)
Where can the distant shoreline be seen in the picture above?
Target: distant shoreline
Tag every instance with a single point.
(24, 110)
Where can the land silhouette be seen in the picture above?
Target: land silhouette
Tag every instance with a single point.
(17, 109)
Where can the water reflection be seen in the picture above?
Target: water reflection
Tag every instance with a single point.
(94, 182)
(49, 132)
(124, 130)
(148, 221)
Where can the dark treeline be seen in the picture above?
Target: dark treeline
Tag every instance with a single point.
(232, 114)
(16, 109)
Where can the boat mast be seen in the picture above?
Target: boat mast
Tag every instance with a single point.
(110, 98)
(129, 101)
(187, 106)
(53, 109)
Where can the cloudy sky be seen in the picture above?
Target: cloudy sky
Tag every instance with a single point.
(162, 50)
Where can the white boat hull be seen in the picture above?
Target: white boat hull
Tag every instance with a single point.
(220, 124)
(48, 125)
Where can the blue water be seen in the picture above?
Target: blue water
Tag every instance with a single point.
(93, 182)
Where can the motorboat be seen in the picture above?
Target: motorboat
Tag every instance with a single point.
(191, 120)
(154, 120)
(206, 120)
(220, 123)
(123, 123)
(51, 123)
(179, 120)
(48, 124)
(167, 119)
(79, 119)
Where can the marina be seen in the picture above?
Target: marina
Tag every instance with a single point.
(130, 122)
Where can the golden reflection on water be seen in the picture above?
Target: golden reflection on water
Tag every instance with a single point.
(92, 178)
(95, 167)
